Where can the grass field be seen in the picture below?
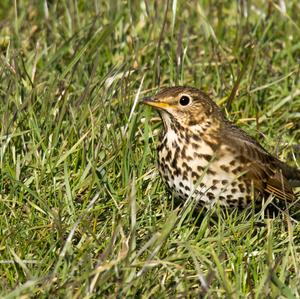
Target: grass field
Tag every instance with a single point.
(84, 213)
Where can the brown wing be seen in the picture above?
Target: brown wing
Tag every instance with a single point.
(263, 169)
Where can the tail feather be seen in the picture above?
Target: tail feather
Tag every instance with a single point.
(290, 173)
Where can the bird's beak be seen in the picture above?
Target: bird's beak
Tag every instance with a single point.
(156, 104)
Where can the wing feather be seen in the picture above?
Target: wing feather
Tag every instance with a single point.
(263, 169)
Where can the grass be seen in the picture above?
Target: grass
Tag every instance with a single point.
(83, 211)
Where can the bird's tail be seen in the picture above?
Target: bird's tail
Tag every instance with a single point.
(290, 173)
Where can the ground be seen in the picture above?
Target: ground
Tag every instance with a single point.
(84, 213)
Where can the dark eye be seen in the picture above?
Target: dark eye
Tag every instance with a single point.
(184, 100)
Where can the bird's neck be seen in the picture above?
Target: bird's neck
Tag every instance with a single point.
(175, 131)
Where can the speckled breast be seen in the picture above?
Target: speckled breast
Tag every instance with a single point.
(191, 167)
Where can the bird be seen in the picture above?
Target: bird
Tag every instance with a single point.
(204, 156)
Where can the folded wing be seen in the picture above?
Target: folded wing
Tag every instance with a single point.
(268, 174)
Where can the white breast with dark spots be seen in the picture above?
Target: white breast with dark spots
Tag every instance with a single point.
(192, 168)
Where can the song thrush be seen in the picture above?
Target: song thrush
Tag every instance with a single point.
(203, 155)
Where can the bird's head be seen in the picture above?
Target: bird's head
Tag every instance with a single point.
(187, 106)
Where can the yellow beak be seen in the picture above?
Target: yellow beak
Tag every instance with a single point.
(156, 104)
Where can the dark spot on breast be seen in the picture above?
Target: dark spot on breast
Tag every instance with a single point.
(187, 188)
(231, 201)
(180, 127)
(173, 125)
(174, 163)
(213, 187)
(184, 165)
(181, 134)
(177, 151)
(242, 187)
(215, 182)
(248, 199)
(225, 168)
(229, 197)
(224, 182)
(193, 121)
(187, 137)
(207, 157)
(180, 184)
(185, 175)
(204, 128)
(243, 159)
(200, 168)
(238, 170)
(203, 156)
(233, 190)
(180, 140)
(164, 143)
(195, 145)
(241, 205)
(196, 155)
(232, 162)
(195, 174)
(209, 171)
(168, 156)
(177, 172)
(210, 195)
(196, 137)
(166, 167)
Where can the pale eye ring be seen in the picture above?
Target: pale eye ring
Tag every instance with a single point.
(184, 100)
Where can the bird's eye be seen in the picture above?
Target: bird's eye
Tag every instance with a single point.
(184, 100)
